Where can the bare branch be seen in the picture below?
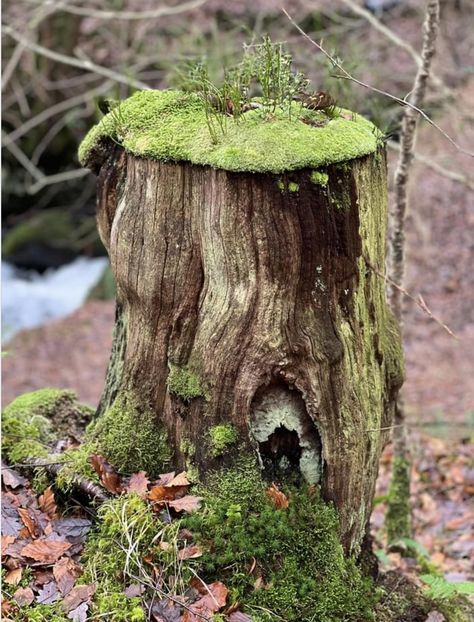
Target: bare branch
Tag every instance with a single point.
(58, 178)
(394, 38)
(86, 65)
(129, 15)
(345, 75)
(407, 147)
(435, 166)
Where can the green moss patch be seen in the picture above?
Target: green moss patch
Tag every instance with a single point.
(172, 126)
(185, 383)
(222, 437)
(319, 179)
(397, 520)
(129, 435)
(278, 563)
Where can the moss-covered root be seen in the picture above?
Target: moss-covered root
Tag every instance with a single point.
(278, 563)
(130, 437)
(33, 420)
(397, 519)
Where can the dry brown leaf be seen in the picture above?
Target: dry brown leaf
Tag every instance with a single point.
(29, 522)
(210, 603)
(189, 503)
(46, 551)
(47, 503)
(65, 572)
(164, 478)
(456, 523)
(138, 484)
(108, 476)
(280, 500)
(13, 577)
(5, 541)
(238, 616)
(24, 596)
(190, 552)
(78, 595)
(180, 480)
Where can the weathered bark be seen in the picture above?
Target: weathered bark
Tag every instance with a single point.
(257, 288)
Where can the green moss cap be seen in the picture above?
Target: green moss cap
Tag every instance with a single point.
(172, 126)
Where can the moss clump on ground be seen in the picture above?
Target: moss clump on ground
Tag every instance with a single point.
(319, 179)
(130, 437)
(172, 126)
(300, 573)
(397, 520)
(222, 437)
(26, 429)
(77, 463)
(293, 187)
(185, 383)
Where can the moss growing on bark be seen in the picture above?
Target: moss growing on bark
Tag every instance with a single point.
(397, 519)
(278, 563)
(172, 125)
(222, 437)
(129, 435)
(185, 383)
(319, 179)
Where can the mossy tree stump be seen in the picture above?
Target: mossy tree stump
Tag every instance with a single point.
(250, 317)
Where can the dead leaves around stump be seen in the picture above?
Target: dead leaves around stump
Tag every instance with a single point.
(36, 540)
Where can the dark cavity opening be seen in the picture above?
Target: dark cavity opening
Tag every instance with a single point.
(281, 454)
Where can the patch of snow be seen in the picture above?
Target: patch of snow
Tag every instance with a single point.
(30, 299)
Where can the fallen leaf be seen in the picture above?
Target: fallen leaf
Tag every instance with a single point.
(24, 596)
(72, 527)
(5, 541)
(435, 616)
(78, 595)
(13, 577)
(166, 610)
(238, 616)
(11, 478)
(210, 603)
(133, 590)
(164, 479)
(180, 480)
(46, 551)
(456, 523)
(47, 503)
(138, 483)
(189, 503)
(79, 614)
(108, 476)
(49, 594)
(28, 521)
(278, 497)
(190, 552)
(65, 572)
(10, 521)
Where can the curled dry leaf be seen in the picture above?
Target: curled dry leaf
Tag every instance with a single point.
(278, 497)
(24, 596)
(46, 551)
(164, 479)
(108, 476)
(180, 480)
(47, 503)
(5, 542)
(189, 503)
(29, 522)
(138, 484)
(190, 552)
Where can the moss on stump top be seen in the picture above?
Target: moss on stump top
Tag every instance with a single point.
(173, 126)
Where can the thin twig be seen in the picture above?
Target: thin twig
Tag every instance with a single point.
(58, 178)
(435, 166)
(419, 301)
(347, 76)
(86, 65)
(129, 15)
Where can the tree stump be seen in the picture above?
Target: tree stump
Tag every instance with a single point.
(251, 312)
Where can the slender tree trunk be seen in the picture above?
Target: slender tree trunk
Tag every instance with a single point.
(246, 300)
